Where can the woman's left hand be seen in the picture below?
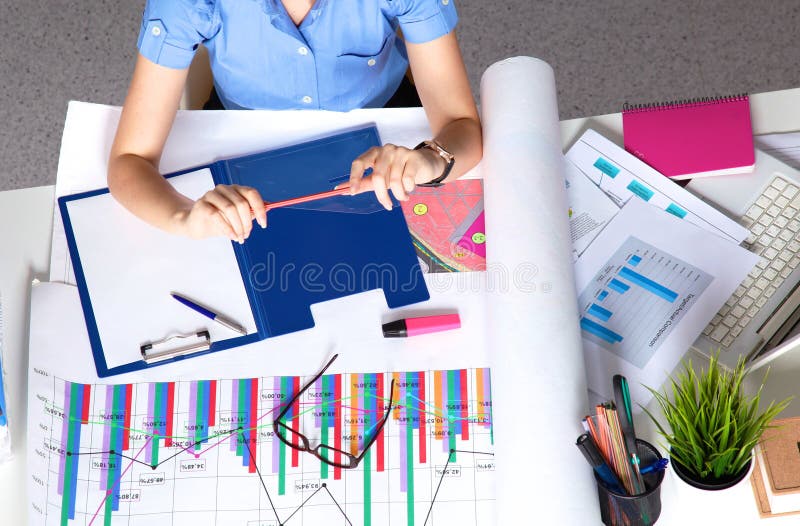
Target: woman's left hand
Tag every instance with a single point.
(394, 168)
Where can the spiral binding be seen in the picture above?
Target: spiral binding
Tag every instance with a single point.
(682, 103)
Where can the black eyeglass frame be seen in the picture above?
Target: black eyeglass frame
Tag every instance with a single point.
(305, 446)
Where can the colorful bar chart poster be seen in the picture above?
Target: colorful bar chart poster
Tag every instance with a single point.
(204, 452)
(636, 298)
(447, 226)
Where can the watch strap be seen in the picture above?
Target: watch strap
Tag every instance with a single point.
(444, 154)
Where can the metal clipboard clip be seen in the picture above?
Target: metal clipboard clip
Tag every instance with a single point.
(174, 346)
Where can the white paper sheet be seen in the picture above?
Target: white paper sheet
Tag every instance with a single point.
(350, 326)
(538, 374)
(131, 268)
(622, 175)
(589, 209)
(691, 274)
(59, 350)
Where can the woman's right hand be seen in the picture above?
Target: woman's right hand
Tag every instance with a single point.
(227, 210)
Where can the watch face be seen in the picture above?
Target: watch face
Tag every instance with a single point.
(447, 156)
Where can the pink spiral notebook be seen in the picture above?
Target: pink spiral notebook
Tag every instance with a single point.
(694, 138)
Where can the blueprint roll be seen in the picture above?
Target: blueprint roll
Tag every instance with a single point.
(538, 375)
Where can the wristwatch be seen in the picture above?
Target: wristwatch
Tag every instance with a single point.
(448, 157)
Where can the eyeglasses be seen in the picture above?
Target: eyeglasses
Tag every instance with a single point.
(300, 442)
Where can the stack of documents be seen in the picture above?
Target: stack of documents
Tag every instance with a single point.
(655, 274)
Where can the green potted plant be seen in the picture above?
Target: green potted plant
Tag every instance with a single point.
(713, 425)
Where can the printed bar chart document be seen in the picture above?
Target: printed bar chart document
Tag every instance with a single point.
(648, 285)
(638, 279)
(204, 451)
(195, 444)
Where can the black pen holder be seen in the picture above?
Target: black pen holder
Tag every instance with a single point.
(636, 510)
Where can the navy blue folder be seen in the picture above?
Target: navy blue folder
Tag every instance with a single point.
(351, 243)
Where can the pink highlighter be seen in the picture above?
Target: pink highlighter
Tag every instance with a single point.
(422, 325)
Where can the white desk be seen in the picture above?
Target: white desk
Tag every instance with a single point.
(27, 216)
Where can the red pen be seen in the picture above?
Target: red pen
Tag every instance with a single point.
(345, 190)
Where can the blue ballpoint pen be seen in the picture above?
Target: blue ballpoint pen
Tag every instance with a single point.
(658, 465)
(225, 322)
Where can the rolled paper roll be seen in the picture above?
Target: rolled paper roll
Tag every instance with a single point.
(538, 375)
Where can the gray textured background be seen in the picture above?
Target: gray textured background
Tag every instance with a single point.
(604, 53)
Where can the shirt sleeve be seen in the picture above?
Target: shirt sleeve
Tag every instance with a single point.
(426, 20)
(172, 29)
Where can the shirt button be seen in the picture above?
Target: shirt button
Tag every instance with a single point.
(307, 99)
(156, 31)
(371, 62)
(302, 50)
(445, 2)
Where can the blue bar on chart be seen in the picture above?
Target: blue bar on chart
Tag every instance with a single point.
(638, 278)
(599, 312)
(603, 295)
(600, 331)
(648, 284)
(618, 286)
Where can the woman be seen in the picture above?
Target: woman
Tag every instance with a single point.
(293, 54)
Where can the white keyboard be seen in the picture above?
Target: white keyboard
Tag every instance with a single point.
(774, 224)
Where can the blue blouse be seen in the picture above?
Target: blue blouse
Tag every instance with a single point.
(344, 55)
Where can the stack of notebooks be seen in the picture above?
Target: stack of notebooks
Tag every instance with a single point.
(692, 138)
(776, 476)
